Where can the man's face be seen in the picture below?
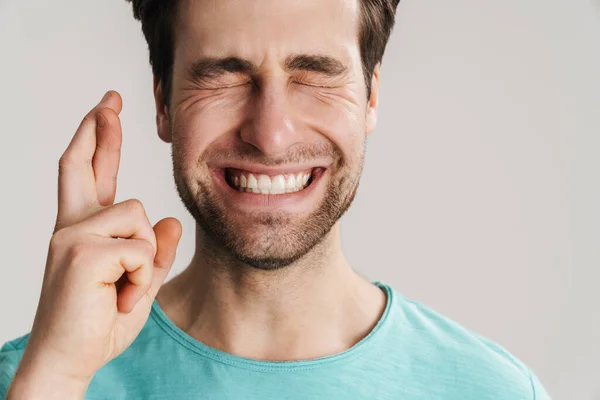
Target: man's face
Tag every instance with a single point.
(268, 118)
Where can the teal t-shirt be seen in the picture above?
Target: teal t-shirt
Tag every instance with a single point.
(413, 353)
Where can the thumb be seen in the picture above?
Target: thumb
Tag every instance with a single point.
(168, 232)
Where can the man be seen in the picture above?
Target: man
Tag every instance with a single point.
(267, 104)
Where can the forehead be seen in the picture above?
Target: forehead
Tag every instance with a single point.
(253, 28)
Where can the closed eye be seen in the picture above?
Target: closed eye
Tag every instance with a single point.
(217, 85)
(314, 85)
(230, 86)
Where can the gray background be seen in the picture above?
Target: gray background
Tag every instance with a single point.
(480, 193)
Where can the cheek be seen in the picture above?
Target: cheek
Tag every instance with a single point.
(202, 118)
(334, 115)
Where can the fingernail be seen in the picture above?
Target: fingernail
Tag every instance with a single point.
(106, 96)
(100, 120)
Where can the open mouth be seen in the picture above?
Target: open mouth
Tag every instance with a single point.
(244, 181)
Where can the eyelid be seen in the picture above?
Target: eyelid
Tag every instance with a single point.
(237, 84)
(301, 82)
(217, 87)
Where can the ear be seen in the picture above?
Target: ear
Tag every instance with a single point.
(373, 102)
(162, 114)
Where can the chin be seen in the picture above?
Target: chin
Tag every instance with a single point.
(269, 241)
(267, 234)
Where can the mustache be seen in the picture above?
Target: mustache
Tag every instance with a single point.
(296, 155)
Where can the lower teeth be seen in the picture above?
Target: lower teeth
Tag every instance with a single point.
(265, 191)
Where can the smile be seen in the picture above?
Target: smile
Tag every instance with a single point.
(253, 187)
(245, 181)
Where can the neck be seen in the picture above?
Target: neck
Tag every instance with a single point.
(315, 307)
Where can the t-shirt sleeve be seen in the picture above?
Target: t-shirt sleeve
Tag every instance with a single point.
(539, 393)
(9, 360)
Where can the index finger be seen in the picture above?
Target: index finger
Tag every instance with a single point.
(76, 179)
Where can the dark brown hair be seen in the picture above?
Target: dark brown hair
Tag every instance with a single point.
(158, 17)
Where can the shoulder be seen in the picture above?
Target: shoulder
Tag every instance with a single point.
(12, 351)
(454, 354)
(16, 344)
(10, 356)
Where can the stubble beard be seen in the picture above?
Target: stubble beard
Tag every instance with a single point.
(268, 240)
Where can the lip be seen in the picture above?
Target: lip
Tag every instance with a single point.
(300, 202)
(270, 170)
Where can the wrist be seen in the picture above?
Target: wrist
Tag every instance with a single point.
(48, 388)
(42, 380)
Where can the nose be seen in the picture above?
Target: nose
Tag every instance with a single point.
(269, 126)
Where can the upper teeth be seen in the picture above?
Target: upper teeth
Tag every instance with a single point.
(278, 184)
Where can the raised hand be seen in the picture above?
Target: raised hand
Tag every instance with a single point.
(104, 268)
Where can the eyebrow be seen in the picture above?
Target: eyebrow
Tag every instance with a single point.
(315, 63)
(212, 67)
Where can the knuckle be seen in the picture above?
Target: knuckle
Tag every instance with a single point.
(89, 118)
(135, 205)
(78, 250)
(65, 161)
(68, 161)
(57, 241)
(147, 248)
(61, 238)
